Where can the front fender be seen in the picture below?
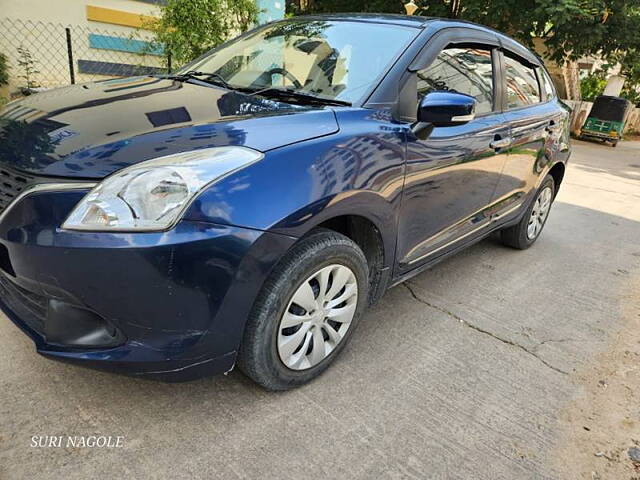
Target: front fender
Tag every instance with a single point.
(357, 171)
(361, 203)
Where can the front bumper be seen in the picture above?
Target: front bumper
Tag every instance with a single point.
(169, 305)
(599, 135)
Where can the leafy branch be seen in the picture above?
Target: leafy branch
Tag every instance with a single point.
(188, 28)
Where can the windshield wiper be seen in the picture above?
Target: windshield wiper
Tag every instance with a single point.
(275, 92)
(212, 77)
(284, 93)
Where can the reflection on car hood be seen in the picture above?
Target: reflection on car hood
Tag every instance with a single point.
(92, 130)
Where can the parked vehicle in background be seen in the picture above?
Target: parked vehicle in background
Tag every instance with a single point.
(607, 119)
(250, 207)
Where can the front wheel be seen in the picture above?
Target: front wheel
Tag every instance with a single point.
(526, 232)
(306, 312)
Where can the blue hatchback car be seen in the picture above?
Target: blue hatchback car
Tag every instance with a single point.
(250, 207)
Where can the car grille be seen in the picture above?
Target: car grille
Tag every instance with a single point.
(12, 183)
(598, 125)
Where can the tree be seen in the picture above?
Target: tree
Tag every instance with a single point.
(188, 28)
(28, 65)
(630, 62)
(330, 6)
(569, 29)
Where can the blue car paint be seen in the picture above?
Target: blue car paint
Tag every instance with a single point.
(181, 297)
(80, 133)
(176, 296)
(316, 180)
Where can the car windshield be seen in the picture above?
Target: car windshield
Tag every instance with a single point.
(332, 59)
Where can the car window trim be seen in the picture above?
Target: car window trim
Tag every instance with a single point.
(546, 98)
(445, 36)
(494, 79)
(461, 36)
(394, 90)
(499, 79)
(518, 50)
(527, 63)
(543, 92)
(543, 78)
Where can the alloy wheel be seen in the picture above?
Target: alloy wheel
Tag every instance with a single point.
(539, 213)
(317, 317)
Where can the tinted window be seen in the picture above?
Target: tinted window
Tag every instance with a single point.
(547, 86)
(522, 84)
(464, 70)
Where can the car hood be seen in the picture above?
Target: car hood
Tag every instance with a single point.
(92, 130)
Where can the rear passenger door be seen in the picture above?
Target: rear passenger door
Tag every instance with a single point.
(535, 120)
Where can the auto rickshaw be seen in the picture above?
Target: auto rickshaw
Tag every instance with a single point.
(606, 119)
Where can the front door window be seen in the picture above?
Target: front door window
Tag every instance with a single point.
(463, 70)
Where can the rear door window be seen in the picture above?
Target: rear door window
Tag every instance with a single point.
(547, 86)
(461, 69)
(522, 87)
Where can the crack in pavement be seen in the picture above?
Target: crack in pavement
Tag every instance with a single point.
(560, 340)
(483, 331)
(547, 340)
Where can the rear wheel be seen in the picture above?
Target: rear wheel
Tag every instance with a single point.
(526, 232)
(306, 312)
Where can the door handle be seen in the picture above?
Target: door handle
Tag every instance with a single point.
(501, 143)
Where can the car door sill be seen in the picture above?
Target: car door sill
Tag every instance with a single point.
(481, 227)
(494, 225)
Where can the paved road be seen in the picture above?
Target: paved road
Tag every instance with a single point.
(462, 372)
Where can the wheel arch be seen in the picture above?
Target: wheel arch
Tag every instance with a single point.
(364, 233)
(557, 171)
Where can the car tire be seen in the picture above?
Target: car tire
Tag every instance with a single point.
(525, 233)
(322, 256)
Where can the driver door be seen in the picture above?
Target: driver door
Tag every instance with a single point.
(452, 175)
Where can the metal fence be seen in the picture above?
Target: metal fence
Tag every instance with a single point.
(46, 55)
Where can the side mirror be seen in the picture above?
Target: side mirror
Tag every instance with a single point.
(446, 109)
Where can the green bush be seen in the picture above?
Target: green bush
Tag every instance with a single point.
(631, 93)
(593, 85)
(4, 70)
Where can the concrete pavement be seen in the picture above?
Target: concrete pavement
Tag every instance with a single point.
(465, 371)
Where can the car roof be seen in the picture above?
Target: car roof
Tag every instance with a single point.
(389, 18)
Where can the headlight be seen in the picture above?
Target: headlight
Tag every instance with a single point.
(153, 195)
